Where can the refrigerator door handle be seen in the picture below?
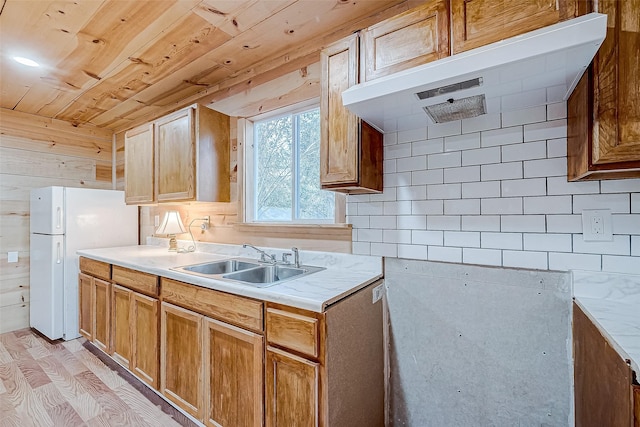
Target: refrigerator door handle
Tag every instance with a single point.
(58, 257)
(58, 217)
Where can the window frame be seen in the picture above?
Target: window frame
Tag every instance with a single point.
(248, 181)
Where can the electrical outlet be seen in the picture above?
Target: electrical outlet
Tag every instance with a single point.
(156, 220)
(378, 292)
(596, 225)
(12, 256)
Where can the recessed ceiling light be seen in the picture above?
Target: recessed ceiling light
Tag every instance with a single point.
(26, 61)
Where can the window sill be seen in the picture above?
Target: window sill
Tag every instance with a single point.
(278, 228)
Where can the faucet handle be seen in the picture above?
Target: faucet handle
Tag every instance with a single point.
(285, 257)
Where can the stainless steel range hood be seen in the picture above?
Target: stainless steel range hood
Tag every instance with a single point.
(536, 68)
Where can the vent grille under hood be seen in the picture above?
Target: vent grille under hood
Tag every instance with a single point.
(536, 68)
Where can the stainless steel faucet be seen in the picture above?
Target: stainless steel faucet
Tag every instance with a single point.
(264, 257)
(296, 257)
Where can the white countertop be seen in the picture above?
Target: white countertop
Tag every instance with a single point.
(612, 301)
(344, 274)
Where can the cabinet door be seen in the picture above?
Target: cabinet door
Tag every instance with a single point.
(121, 326)
(339, 149)
(85, 288)
(292, 390)
(144, 337)
(479, 22)
(412, 38)
(233, 376)
(181, 358)
(102, 314)
(138, 165)
(175, 156)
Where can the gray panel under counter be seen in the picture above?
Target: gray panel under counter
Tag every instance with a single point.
(473, 345)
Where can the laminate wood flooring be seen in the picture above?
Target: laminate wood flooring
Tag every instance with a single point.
(63, 383)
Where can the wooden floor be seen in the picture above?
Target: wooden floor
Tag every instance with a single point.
(60, 383)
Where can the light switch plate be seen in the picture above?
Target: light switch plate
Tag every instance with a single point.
(596, 225)
(12, 256)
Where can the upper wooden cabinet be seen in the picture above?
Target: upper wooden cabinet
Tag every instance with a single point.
(183, 156)
(411, 38)
(603, 134)
(476, 23)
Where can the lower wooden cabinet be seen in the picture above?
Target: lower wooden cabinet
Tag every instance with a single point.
(95, 316)
(292, 390)
(85, 289)
(144, 338)
(120, 320)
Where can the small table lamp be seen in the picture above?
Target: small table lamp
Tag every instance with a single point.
(171, 225)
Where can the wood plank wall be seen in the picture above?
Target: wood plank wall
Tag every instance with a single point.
(39, 152)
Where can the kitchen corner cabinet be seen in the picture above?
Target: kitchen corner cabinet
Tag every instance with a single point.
(351, 153)
(604, 392)
(95, 302)
(603, 112)
(183, 156)
(476, 23)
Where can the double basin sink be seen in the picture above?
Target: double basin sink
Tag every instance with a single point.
(248, 272)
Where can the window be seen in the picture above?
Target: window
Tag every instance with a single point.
(283, 171)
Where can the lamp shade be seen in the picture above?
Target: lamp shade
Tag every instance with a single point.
(171, 224)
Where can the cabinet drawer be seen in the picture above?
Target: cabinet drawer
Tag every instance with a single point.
(233, 309)
(95, 268)
(293, 331)
(136, 280)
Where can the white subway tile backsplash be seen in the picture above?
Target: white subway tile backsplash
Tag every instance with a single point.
(481, 156)
(481, 223)
(524, 187)
(462, 207)
(414, 192)
(462, 142)
(555, 94)
(481, 189)
(445, 129)
(361, 221)
(361, 248)
(547, 205)
(502, 206)
(525, 116)
(522, 223)
(434, 176)
(568, 261)
(501, 240)
(564, 223)
(626, 224)
(546, 167)
(419, 237)
(525, 259)
(557, 111)
(444, 222)
(545, 130)
(369, 235)
(559, 185)
(396, 179)
(500, 171)
(396, 236)
(483, 122)
(547, 242)
(412, 222)
(557, 147)
(381, 221)
(482, 256)
(620, 245)
(411, 163)
(429, 146)
(526, 99)
(444, 254)
(427, 207)
(635, 202)
(397, 208)
(384, 249)
(620, 186)
(463, 239)
(617, 203)
(444, 160)
(412, 251)
(390, 138)
(370, 208)
(397, 151)
(389, 166)
(462, 174)
(635, 245)
(412, 135)
(621, 264)
(524, 151)
(388, 195)
(444, 191)
(504, 136)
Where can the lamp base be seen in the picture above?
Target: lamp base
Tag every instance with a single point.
(173, 243)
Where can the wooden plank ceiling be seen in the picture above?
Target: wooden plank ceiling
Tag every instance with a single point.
(112, 62)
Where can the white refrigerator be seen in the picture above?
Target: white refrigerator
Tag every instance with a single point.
(63, 221)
